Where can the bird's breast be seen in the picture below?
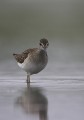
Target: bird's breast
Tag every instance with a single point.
(39, 58)
(35, 62)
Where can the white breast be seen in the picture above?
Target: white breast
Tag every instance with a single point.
(31, 68)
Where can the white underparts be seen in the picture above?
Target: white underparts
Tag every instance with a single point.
(31, 68)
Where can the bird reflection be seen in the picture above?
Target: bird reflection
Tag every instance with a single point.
(33, 101)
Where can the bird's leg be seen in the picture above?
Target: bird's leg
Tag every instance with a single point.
(28, 78)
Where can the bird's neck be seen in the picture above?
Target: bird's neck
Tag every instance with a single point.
(41, 48)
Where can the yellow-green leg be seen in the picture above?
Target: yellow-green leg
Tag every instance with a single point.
(28, 78)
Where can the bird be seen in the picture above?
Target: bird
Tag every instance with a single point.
(33, 60)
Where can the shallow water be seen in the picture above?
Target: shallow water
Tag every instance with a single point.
(46, 98)
(56, 93)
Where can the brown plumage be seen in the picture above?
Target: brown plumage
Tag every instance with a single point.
(21, 57)
(33, 60)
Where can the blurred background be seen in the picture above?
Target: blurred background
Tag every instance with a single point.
(24, 23)
(56, 93)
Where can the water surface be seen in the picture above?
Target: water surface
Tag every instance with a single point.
(56, 93)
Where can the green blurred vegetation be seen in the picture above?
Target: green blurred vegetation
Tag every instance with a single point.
(53, 19)
(23, 23)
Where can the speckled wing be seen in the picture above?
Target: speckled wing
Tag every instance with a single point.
(21, 57)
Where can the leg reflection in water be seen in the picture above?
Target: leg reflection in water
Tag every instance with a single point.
(33, 101)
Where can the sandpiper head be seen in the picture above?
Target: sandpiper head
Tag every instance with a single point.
(44, 43)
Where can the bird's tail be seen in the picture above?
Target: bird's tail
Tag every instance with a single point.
(14, 54)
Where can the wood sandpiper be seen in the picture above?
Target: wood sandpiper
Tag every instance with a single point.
(33, 60)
